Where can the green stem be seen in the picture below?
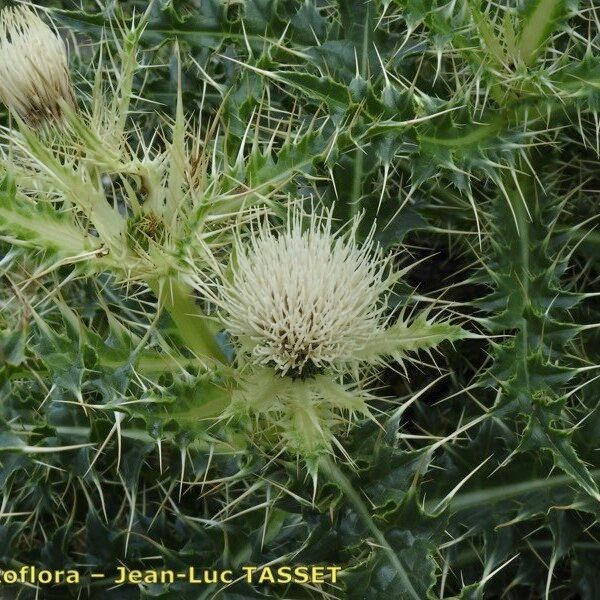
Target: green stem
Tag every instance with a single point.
(489, 496)
(522, 241)
(334, 474)
(194, 328)
(357, 182)
(140, 435)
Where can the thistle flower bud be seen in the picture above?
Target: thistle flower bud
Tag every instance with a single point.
(34, 74)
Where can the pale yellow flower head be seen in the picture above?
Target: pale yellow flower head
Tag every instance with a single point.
(306, 298)
(34, 74)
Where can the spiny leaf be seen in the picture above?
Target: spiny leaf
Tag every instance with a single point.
(421, 334)
(539, 22)
(557, 442)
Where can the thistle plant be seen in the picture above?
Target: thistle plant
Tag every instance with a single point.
(182, 347)
(97, 194)
(307, 309)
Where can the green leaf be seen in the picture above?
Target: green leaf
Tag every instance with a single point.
(540, 435)
(45, 229)
(322, 89)
(42, 226)
(192, 325)
(358, 22)
(539, 22)
(491, 44)
(402, 338)
(12, 347)
(393, 564)
(410, 533)
(376, 581)
(586, 566)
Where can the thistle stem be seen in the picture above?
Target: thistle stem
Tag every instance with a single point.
(193, 326)
(523, 223)
(490, 496)
(335, 475)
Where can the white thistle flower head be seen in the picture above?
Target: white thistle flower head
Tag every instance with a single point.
(306, 309)
(34, 72)
(305, 300)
